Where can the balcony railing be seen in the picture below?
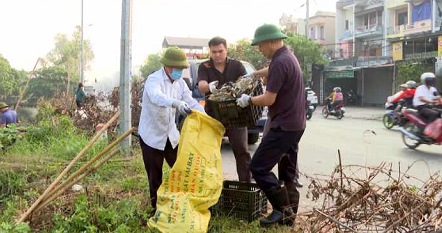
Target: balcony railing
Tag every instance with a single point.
(416, 27)
(373, 61)
(368, 30)
(395, 3)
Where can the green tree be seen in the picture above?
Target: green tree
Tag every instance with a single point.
(243, 50)
(11, 79)
(151, 64)
(66, 54)
(307, 51)
(48, 81)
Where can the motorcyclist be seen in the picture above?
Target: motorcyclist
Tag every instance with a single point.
(407, 92)
(425, 96)
(335, 98)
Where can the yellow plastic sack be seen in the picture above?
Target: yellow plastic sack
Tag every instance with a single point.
(195, 181)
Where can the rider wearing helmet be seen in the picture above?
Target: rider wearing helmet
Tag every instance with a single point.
(407, 93)
(426, 95)
(335, 98)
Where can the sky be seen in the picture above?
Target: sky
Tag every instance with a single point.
(29, 26)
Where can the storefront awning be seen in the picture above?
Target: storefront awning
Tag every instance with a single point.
(339, 74)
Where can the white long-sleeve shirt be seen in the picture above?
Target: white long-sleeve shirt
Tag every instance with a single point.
(157, 120)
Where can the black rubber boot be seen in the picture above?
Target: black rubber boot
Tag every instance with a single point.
(281, 213)
(293, 197)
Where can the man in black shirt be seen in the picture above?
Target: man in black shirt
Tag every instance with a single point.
(213, 74)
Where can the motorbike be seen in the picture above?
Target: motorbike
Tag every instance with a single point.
(413, 131)
(338, 111)
(394, 115)
(309, 109)
(351, 97)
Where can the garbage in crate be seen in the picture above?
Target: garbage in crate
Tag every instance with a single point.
(225, 109)
(233, 90)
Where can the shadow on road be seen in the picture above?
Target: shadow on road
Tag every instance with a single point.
(421, 155)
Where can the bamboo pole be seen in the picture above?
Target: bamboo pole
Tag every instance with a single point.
(70, 165)
(93, 160)
(26, 86)
(65, 187)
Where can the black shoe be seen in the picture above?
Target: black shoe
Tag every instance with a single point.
(298, 185)
(282, 213)
(293, 197)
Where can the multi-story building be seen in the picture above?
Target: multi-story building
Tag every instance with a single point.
(344, 29)
(414, 28)
(293, 24)
(321, 29)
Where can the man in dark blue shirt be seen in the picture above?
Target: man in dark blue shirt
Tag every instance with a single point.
(285, 97)
(8, 116)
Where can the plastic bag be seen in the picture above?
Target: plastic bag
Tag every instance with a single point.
(195, 181)
(434, 129)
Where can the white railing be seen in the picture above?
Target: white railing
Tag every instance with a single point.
(368, 28)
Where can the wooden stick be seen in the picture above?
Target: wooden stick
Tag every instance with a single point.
(93, 160)
(26, 86)
(66, 187)
(70, 165)
(336, 221)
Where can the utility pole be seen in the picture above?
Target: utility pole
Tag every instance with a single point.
(81, 46)
(125, 73)
(306, 18)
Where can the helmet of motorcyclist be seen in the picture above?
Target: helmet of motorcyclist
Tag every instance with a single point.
(428, 79)
(411, 84)
(337, 89)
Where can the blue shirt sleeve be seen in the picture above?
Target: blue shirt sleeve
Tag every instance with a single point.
(3, 119)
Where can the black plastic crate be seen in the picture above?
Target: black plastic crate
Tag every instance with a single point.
(232, 115)
(241, 200)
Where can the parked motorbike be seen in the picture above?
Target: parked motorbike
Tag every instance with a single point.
(351, 97)
(413, 131)
(309, 109)
(338, 111)
(394, 115)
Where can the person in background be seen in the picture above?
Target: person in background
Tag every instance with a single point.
(335, 98)
(80, 96)
(427, 95)
(164, 93)
(8, 116)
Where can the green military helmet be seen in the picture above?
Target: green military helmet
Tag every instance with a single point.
(267, 32)
(174, 57)
(3, 105)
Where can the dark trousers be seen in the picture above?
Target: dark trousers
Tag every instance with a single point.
(273, 146)
(238, 139)
(153, 163)
(429, 115)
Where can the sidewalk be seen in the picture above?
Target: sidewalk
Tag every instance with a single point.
(365, 113)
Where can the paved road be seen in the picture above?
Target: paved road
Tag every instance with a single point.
(323, 137)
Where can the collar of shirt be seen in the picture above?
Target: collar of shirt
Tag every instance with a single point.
(280, 51)
(213, 65)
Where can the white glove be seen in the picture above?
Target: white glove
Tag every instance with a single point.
(244, 101)
(249, 75)
(182, 107)
(212, 86)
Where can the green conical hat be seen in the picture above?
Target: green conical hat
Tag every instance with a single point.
(174, 57)
(267, 32)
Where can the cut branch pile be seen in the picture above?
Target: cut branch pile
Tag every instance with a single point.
(373, 199)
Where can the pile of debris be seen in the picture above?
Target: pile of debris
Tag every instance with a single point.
(97, 109)
(373, 199)
(234, 90)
